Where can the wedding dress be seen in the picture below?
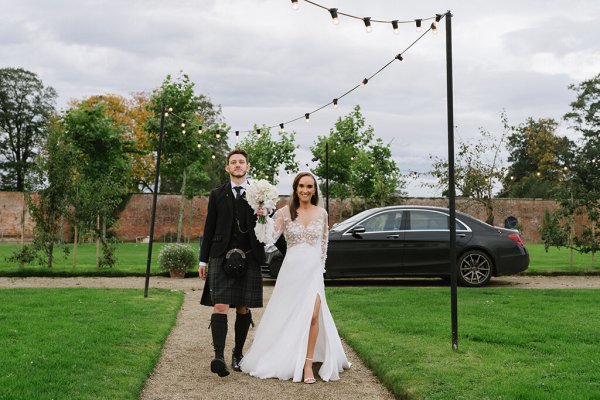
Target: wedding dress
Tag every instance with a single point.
(281, 339)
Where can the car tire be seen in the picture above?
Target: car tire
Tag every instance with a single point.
(474, 269)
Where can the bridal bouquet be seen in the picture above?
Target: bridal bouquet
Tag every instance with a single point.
(262, 194)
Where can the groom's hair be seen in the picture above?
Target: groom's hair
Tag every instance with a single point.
(295, 201)
(237, 151)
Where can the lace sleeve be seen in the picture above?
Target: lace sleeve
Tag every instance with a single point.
(324, 238)
(279, 223)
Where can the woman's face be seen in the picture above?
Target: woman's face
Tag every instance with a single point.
(305, 189)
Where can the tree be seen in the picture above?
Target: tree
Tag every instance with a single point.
(267, 156)
(360, 165)
(539, 157)
(584, 190)
(477, 170)
(101, 170)
(132, 115)
(195, 140)
(50, 208)
(26, 106)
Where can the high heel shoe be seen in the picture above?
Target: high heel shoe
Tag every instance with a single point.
(310, 381)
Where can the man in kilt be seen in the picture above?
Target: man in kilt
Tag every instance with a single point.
(230, 223)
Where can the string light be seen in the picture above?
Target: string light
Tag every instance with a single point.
(281, 130)
(183, 131)
(200, 129)
(218, 135)
(213, 156)
(334, 16)
(199, 145)
(237, 133)
(183, 124)
(258, 131)
(170, 109)
(367, 21)
(395, 26)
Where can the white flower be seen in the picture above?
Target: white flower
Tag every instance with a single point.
(262, 194)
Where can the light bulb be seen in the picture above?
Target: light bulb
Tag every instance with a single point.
(183, 131)
(170, 109)
(281, 130)
(395, 26)
(367, 21)
(199, 145)
(334, 16)
(364, 82)
(400, 58)
(183, 124)
(200, 129)
(257, 131)
(434, 27)
(307, 117)
(418, 24)
(213, 156)
(295, 4)
(237, 133)
(335, 101)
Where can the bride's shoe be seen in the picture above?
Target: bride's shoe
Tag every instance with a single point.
(312, 380)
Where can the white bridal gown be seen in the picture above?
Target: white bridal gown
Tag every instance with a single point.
(281, 339)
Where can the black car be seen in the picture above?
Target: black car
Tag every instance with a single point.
(414, 241)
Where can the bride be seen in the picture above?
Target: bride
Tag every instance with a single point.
(297, 328)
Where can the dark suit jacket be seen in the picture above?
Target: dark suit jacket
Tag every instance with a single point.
(219, 224)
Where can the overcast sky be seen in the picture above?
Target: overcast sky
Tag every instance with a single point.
(265, 63)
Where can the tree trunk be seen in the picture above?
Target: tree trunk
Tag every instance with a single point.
(98, 241)
(181, 208)
(75, 240)
(23, 211)
(191, 221)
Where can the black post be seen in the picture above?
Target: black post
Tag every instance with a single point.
(451, 190)
(154, 197)
(327, 177)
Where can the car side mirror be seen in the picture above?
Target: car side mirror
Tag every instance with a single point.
(358, 229)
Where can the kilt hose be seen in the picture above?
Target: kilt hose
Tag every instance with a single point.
(221, 288)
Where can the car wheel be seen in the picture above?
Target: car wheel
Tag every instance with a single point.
(474, 268)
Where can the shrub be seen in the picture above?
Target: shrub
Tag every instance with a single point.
(176, 257)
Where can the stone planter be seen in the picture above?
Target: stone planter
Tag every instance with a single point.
(177, 273)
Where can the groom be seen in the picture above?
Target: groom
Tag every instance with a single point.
(230, 225)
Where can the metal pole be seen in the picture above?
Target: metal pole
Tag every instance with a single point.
(154, 197)
(451, 190)
(327, 176)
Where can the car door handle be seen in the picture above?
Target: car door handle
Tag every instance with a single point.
(461, 234)
(392, 236)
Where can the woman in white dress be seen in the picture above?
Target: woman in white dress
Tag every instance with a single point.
(296, 328)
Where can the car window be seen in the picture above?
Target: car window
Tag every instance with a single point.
(387, 221)
(423, 220)
(343, 225)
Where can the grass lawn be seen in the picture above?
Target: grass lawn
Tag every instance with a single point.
(556, 261)
(131, 261)
(513, 343)
(81, 343)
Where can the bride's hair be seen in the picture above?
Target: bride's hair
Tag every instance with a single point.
(295, 201)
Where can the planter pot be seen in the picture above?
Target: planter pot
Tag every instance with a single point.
(178, 274)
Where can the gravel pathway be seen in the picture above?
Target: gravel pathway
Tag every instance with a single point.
(183, 369)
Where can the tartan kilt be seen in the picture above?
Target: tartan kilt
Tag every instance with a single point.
(221, 288)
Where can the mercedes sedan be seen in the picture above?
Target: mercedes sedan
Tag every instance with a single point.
(414, 241)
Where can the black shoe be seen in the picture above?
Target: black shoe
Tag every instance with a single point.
(235, 362)
(219, 367)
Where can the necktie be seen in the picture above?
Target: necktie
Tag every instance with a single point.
(238, 191)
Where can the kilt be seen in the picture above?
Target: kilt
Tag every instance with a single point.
(221, 288)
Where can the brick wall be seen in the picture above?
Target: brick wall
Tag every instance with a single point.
(134, 220)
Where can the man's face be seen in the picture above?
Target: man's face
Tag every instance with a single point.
(237, 166)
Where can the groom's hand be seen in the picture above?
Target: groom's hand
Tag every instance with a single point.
(202, 272)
